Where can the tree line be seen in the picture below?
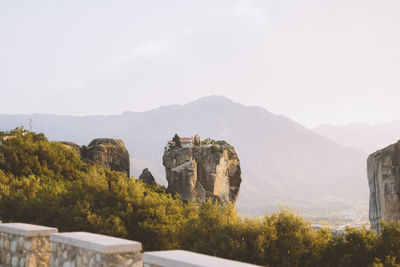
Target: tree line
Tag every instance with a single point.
(46, 183)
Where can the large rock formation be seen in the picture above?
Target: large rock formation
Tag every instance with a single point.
(108, 153)
(147, 177)
(384, 183)
(205, 171)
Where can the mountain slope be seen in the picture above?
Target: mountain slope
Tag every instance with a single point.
(282, 161)
(368, 138)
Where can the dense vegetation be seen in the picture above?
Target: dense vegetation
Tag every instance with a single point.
(46, 183)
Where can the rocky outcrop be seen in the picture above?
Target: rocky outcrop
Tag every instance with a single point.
(205, 171)
(108, 153)
(384, 184)
(147, 177)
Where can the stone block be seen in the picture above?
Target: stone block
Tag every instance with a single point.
(181, 258)
(87, 249)
(25, 244)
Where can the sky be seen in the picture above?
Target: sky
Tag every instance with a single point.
(315, 61)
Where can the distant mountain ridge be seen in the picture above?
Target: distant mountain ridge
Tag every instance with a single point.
(282, 161)
(368, 138)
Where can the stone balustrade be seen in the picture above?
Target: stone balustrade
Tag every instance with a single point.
(33, 245)
(182, 258)
(24, 245)
(86, 249)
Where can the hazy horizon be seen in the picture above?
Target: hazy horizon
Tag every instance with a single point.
(193, 100)
(315, 62)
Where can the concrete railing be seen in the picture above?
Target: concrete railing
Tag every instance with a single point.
(182, 258)
(86, 249)
(33, 245)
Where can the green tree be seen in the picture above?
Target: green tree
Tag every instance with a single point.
(389, 244)
(177, 140)
(358, 247)
(289, 240)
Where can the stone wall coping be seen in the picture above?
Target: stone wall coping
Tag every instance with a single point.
(99, 243)
(182, 258)
(28, 230)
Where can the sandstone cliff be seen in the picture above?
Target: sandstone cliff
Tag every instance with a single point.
(108, 153)
(384, 183)
(206, 171)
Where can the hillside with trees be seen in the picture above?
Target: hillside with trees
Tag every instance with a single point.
(281, 161)
(45, 183)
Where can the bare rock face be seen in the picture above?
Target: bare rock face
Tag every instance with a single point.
(147, 177)
(203, 172)
(108, 153)
(384, 184)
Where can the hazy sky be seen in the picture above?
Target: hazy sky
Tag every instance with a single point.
(314, 61)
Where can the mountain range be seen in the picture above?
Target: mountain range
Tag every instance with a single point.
(282, 161)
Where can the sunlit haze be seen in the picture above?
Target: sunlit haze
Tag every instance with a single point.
(313, 61)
